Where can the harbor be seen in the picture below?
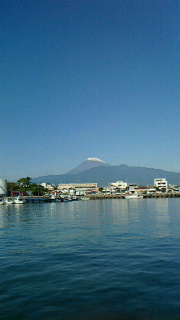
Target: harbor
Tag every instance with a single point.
(47, 199)
(45, 193)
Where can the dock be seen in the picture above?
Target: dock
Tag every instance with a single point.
(145, 196)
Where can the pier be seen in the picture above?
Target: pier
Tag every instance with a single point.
(35, 199)
(121, 196)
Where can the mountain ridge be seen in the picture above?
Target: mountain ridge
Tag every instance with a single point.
(103, 175)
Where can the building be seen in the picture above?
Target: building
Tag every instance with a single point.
(18, 193)
(81, 188)
(119, 185)
(161, 183)
(145, 190)
(47, 186)
(133, 187)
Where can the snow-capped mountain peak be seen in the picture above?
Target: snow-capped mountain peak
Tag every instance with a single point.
(88, 164)
(95, 159)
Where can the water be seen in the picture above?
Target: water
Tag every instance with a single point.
(102, 259)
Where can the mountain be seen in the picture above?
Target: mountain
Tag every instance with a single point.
(104, 174)
(88, 164)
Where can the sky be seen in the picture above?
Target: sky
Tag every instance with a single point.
(89, 78)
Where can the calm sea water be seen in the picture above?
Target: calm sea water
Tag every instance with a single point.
(102, 259)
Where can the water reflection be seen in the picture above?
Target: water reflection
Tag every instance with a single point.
(91, 218)
(161, 208)
(162, 217)
(104, 255)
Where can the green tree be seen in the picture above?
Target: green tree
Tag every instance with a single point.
(24, 182)
(11, 186)
(37, 190)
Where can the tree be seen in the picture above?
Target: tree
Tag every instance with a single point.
(24, 182)
(37, 190)
(11, 186)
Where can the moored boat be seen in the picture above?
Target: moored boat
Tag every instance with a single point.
(9, 201)
(18, 200)
(133, 196)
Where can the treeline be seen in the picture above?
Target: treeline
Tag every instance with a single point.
(25, 185)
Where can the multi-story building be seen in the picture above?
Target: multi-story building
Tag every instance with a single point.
(47, 186)
(81, 188)
(119, 185)
(161, 183)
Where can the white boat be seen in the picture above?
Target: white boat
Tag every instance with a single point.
(19, 201)
(133, 196)
(74, 198)
(53, 197)
(85, 198)
(66, 198)
(8, 201)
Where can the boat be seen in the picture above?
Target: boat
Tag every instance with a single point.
(133, 196)
(65, 198)
(8, 201)
(85, 198)
(19, 201)
(53, 197)
(74, 198)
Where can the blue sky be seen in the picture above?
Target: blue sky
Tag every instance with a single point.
(89, 78)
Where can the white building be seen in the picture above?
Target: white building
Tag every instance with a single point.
(161, 183)
(47, 186)
(133, 187)
(81, 188)
(118, 185)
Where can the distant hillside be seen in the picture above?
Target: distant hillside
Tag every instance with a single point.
(105, 174)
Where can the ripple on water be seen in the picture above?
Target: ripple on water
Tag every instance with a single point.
(100, 260)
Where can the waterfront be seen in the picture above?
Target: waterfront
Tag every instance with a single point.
(110, 259)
